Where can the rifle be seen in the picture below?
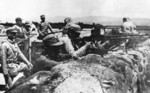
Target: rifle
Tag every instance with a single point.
(126, 35)
(109, 37)
(124, 38)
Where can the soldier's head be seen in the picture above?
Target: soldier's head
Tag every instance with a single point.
(67, 20)
(124, 19)
(27, 25)
(11, 33)
(97, 30)
(42, 18)
(18, 21)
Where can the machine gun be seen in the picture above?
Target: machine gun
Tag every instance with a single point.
(124, 36)
(111, 37)
(129, 41)
(115, 40)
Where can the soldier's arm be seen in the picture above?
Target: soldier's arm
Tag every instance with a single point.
(39, 29)
(13, 27)
(25, 60)
(50, 28)
(8, 79)
(3, 56)
(75, 26)
(64, 56)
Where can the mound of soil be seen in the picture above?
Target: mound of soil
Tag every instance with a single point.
(90, 74)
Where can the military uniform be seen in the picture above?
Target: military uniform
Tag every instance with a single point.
(10, 53)
(10, 63)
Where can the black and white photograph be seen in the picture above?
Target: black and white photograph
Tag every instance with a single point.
(74, 46)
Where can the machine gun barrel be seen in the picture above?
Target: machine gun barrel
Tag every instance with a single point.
(122, 36)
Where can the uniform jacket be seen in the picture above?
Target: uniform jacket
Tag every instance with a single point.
(10, 53)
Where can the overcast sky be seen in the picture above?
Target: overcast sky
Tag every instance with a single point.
(32, 9)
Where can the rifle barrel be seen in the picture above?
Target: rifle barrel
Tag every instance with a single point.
(123, 35)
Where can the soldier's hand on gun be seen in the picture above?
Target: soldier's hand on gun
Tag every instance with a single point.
(74, 55)
(30, 65)
(89, 44)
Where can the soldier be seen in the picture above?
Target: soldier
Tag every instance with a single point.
(19, 27)
(55, 49)
(22, 36)
(128, 26)
(97, 33)
(10, 54)
(30, 27)
(44, 28)
(72, 31)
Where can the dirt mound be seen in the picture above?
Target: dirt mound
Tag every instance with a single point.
(90, 74)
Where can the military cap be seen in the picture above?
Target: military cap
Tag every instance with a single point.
(11, 30)
(18, 19)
